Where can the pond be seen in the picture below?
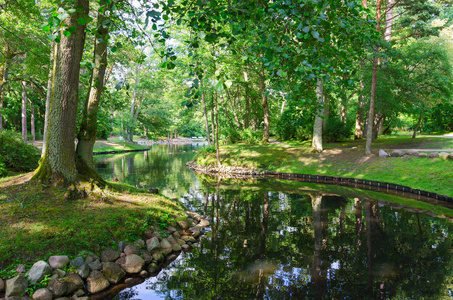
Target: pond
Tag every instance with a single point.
(275, 239)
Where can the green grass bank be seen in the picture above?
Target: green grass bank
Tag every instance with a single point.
(38, 221)
(347, 159)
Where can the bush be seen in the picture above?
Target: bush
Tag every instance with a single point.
(247, 135)
(16, 154)
(337, 131)
(295, 124)
(3, 171)
(204, 151)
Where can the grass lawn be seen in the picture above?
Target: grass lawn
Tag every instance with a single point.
(347, 159)
(37, 222)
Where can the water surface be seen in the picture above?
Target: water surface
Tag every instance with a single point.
(271, 239)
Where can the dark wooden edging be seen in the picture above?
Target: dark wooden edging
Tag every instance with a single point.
(120, 151)
(354, 182)
(336, 180)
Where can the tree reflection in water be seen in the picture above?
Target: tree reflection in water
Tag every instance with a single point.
(269, 245)
(275, 240)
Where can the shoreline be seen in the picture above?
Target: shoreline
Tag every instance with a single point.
(364, 184)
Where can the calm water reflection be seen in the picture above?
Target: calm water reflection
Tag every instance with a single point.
(276, 240)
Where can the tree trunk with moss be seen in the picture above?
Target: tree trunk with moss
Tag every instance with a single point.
(87, 133)
(59, 159)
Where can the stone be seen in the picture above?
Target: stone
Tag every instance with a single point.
(113, 272)
(158, 256)
(74, 283)
(443, 155)
(77, 262)
(58, 286)
(180, 242)
(433, 155)
(43, 294)
(146, 257)
(152, 244)
(2, 285)
(91, 258)
(184, 224)
(16, 286)
(382, 153)
(132, 249)
(195, 231)
(58, 261)
(153, 268)
(397, 153)
(185, 247)
(83, 271)
(175, 247)
(38, 271)
(197, 217)
(97, 282)
(176, 235)
(128, 280)
(172, 257)
(143, 273)
(140, 243)
(21, 269)
(79, 293)
(167, 251)
(171, 229)
(157, 234)
(133, 264)
(121, 260)
(59, 273)
(171, 240)
(109, 255)
(147, 235)
(412, 152)
(95, 265)
(422, 154)
(165, 244)
(122, 245)
(188, 238)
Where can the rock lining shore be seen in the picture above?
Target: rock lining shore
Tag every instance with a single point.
(64, 279)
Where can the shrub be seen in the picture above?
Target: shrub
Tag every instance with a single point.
(247, 135)
(16, 154)
(337, 130)
(3, 171)
(295, 123)
(206, 150)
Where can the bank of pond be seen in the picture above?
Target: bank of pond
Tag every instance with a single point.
(278, 239)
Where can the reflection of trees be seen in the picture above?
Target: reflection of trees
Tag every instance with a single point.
(161, 167)
(268, 245)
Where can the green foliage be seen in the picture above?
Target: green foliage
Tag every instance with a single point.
(337, 130)
(3, 171)
(206, 150)
(248, 136)
(295, 124)
(16, 154)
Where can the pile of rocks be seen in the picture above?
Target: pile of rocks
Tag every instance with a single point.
(400, 153)
(92, 274)
(223, 169)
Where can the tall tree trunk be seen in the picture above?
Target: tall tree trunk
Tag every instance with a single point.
(418, 125)
(24, 111)
(59, 160)
(205, 113)
(4, 71)
(247, 102)
(131, 127)
(265, 106)
(87, 133)
(317, 127)
(217, 131)
(370, 122)
(52, 69)
(326, 113)
(359, 126)
(212, 122)
(32, 122)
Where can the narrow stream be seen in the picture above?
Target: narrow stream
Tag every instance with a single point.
(274, 239)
